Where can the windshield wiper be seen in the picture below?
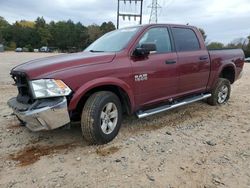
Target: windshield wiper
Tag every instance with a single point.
(96, 51)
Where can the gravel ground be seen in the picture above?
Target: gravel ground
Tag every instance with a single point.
(193, 146)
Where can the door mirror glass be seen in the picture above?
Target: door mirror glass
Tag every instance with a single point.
(145, 49)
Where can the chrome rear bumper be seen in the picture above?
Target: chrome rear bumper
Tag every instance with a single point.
(44, 114)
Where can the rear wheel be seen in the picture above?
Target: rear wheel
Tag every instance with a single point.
(220, 93)
(101, 117)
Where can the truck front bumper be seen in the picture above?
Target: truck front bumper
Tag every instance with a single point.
(43, 114)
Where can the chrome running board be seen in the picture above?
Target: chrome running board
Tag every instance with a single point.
(142, 114)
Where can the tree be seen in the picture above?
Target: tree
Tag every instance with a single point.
(28, 24)
(203, 33)
(43, 32)
(23, 34)
(107, 27)
(215, 45)
(238, 43)
(64, 35)
(44, 36)
(94, 32)
(248, 45)
(81, 37)
(3, 22)
(3, 25)
(40, 22)
(247, 49)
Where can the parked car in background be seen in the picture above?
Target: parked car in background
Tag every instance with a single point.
(19, 49)
(247, 59)
(44, 49)
(1, 48)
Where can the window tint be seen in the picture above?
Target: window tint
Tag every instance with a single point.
(185, 39)
(158, 36)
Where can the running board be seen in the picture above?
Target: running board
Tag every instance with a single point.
(142, 114)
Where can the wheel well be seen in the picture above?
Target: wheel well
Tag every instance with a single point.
(228, 73)
(123, 96)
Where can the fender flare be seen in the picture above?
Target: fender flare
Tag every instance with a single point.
(80, 92)
(232, 65)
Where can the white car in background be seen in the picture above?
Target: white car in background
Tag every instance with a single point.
(247, 59)
(19, 49)
(44, 49)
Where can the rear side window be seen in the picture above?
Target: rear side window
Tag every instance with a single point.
(185, 40)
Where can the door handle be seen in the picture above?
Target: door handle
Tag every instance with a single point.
(168, 62)
(203, 58)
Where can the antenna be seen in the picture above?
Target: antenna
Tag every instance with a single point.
(129, 14)
(154, 11)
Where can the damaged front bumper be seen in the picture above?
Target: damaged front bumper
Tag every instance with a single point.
(43, 114)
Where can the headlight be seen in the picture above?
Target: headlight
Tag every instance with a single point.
(45, 88)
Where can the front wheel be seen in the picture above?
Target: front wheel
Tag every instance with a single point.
(220, 93)
(101, 117)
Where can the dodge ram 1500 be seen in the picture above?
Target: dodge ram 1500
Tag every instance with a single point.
(140, 70)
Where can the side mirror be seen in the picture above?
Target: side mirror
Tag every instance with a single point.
(144, 49)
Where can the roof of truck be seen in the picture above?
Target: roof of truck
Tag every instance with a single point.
(168, 24)
(162, 24)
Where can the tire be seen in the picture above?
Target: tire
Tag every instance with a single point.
(100, 110)
(220, 93)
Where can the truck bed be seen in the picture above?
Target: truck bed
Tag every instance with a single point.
(222, 57)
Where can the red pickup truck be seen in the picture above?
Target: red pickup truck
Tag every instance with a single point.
(140, 70)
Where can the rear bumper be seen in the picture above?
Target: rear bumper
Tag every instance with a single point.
(44, 114)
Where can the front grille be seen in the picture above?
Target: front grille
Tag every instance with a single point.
(24, 94)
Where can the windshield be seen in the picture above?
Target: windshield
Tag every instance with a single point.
(113, 41)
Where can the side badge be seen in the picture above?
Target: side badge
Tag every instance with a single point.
(141, 77)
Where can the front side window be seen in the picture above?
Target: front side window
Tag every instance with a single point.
(185, 39)
(158, 36)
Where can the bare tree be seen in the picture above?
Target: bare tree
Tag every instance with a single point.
(239, 43)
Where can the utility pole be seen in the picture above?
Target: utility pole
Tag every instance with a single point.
(129, 15)
(154, 11)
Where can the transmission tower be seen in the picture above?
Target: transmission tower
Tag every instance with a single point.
(129, 14)
(154, 11)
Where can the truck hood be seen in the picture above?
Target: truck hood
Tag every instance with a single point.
(46, 66)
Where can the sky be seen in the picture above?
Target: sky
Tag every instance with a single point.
(222, 20)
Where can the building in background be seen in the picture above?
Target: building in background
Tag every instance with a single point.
(1, 48)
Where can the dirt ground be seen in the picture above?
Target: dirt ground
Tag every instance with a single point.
(193, 146)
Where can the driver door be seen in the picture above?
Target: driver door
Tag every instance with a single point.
(155, 75)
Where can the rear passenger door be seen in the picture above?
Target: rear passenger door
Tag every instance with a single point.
(193, 61)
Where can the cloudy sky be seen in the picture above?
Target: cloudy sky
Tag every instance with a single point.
(223, 20)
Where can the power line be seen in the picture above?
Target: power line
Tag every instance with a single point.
(154, 11)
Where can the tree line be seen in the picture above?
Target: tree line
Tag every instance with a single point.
(243, 43)
(62, 35)
(67, 35)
